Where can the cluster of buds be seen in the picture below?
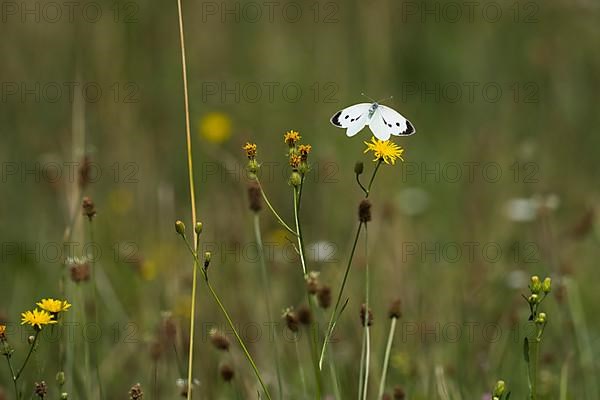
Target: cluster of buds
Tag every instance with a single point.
(539, 290)
(297, 156)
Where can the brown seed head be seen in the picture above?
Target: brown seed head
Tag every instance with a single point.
(89, 209)
(312, 282)
(395, 310)
(364, 211)
(399, 393)
(305, 315)
(136, 393)
(41, 389)
(227, 372)
(219, 340)
(80, 272)
(254, 197)
(324, 296)
(363, 313)
(291, 320)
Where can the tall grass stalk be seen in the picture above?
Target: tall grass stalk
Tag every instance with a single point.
(190, 164)
(386, 358)
(268, 299)
(96, 317)
(301, 368)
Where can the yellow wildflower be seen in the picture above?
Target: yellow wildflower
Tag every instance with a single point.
(291, 138)
(215, 127)
(385, 150)
(54, 306)
(250, 149)
(304, 150)
(295, 160)
(2, 332)
(37, 318)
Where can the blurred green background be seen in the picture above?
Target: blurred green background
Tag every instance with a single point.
(507, 88)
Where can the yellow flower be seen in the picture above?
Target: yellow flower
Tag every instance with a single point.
(385, 150)
(54, 306)
(291, 138)
(37, 318)
(2, 331)
(250, 149)
(295, 160)
(304, 150)
(215, 127)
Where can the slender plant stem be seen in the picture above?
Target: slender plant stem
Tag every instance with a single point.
(31, 349)
(302, 377)
(386, 358)
(313, 340)
(361, 369)
(334, 378)
(192, 195)
(533, 359)
(266, 199)
(334, 313)
(229, 320)
(13, 376)
(268, 300)
(96, 317)
(366, 318)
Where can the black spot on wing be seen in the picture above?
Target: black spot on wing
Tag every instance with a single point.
(336, 119)
(409, 129)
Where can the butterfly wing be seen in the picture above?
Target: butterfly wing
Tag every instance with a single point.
(386, 122)
(353, 118)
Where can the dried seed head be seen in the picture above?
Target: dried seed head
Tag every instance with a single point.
(399, 393)
(305, 315)
(80, 272)
(359, 167)
(219, 340)
(254, 197)
(395, 311)
(312, 282)
(227, 372)
(386, 396)
(363, 312)
(291, 319)
(135, 393)
(364, 211)
(89, 209)
(41, 389)
(324, 296)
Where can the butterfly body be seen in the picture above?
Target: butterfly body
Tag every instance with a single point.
(382, 120)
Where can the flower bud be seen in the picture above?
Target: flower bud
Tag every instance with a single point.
(359, 167)
(198, 228)
(60, 378)
(180, 227)
(31, 339)
(541, 319)
(499, 389)
(536, 284)
(207, 257)
(295, 179)
(64, 396)
(253, 166)
(533, 299)
(547, 285)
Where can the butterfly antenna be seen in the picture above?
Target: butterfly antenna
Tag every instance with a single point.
(363, 94)
(386, 99)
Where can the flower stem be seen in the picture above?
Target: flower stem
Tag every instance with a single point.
(35, 338)
(266, 199)
(267, 287)
(228, 318)
(302, 377)
(96, 318)
(379, 162)
(366, 318)
(13, 376)
(386, 358)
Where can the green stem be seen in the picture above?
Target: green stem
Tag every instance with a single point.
(13, 377)
(386, 358)
(334, 313)
(266, 199)
(361, 369)
(229, 321)
(533, 359)
(302, 377)
(96, 318)
(366, 319)
(35, 338)
(314, 326)
(267, 286)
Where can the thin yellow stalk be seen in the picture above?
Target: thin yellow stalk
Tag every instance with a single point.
(192, 195)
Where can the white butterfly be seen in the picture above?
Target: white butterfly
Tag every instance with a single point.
(382, 120)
